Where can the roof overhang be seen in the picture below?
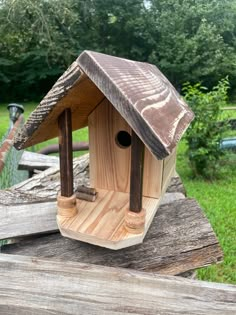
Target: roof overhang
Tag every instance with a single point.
(139, 92)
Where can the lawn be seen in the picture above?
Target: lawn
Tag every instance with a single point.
(80, 135)
(217, 198)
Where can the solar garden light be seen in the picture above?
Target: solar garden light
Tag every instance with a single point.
(15, 110)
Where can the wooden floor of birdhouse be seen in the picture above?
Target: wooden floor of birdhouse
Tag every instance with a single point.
(102, 222)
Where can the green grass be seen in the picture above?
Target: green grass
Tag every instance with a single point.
(217, 198)
(10, 175)
(78, 136)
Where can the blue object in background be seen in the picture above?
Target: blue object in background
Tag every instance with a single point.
(228, 144)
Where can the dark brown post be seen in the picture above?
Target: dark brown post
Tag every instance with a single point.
(136, 174)
(65, 151)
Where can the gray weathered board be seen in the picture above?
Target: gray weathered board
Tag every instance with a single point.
(36, 286)
(30, 161)
(180, 238)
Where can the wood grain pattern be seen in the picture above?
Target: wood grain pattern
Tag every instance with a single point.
(139, 92)
(30, 161)
(22, 207)
(73, 90)
(180, 239)
(169, 164)
(47, 184)
(109, 163)
(102, 222)
(27, 219)
(37, 286)
(144, 98)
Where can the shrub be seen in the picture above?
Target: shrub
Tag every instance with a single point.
(204, 134)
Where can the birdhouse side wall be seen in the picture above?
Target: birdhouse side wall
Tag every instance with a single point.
(169, 165)
(110, 154)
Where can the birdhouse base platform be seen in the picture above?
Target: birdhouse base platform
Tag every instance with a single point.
(102, 222)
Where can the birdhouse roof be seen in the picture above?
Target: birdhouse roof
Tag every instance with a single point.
(139, 92)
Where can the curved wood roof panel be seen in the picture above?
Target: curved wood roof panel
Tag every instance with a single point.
(139, 91)
(143, 96)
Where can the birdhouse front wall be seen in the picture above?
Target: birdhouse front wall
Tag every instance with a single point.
(110, 154)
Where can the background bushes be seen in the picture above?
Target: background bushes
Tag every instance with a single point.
(188, 40)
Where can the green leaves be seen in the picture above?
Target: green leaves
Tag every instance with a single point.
(205, 132)
(188, 40)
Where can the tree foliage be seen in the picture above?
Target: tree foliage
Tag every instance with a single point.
(205, 132)
(188, 40)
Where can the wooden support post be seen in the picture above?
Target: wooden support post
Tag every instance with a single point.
(65, 151)
(66, 201)
(136, 174)
(135, 216)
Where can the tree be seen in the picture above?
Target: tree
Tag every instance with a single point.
(35, 36)
(191, 40)
(205, 132)
(188, 40)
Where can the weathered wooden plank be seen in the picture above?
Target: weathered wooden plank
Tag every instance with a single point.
(37, 217)
(176, 185)
(179, 239)
(30, 161)
(45, 186)
(36, 286)
(27, 219)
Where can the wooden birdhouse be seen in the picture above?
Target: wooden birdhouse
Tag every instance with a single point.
(135, 118)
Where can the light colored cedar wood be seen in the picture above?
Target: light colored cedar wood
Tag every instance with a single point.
(180, 239)
(102, 222)
(66, 206)
(23, 212)
(31, 285)
(82, 97)
(169, 164)
(30, 161)
(135, 221)
(109, 163)
(139, 92)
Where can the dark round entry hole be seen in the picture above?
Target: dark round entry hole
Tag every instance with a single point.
(123, 139)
